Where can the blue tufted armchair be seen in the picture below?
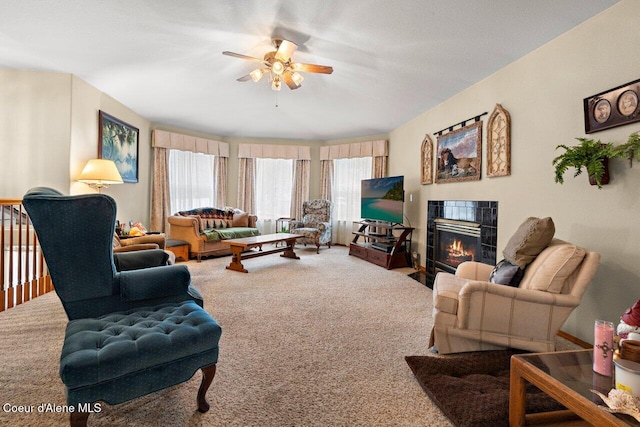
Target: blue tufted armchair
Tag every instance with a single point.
(130, 333)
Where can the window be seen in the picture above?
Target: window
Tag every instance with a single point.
(192, 180)
(347, 174)
(274, 183)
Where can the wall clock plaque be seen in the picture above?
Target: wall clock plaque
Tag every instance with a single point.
(615, 107)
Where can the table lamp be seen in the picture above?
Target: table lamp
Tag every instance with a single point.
(99, 173)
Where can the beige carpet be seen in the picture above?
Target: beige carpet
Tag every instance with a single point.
(318, 341)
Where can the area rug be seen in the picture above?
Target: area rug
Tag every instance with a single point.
(472, 389)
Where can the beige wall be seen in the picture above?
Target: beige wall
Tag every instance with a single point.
(35, 110)
(133, 199)
(543, 93)
(50, 129)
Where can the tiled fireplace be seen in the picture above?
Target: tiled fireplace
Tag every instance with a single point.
(458, 231)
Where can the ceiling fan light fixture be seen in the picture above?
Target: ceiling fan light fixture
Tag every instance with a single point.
(277, 67)
(297, 78)
(257, 74)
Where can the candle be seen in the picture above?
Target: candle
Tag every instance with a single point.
(603, 347)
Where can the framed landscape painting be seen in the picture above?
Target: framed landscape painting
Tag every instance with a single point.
(459, 154)
(118, 141)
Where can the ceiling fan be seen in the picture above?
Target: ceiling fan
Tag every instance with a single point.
(278, 65)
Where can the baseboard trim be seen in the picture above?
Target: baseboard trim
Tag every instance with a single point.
(577, 341)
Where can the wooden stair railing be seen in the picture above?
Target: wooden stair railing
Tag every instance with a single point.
(24, 271)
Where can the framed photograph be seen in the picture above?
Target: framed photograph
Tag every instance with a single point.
(615, 107)
(118, 141)
(459, 154)
(499, 143)
(426, 161)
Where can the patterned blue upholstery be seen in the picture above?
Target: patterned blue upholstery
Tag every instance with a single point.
(130, 333)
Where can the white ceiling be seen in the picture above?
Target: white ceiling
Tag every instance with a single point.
(392, 59)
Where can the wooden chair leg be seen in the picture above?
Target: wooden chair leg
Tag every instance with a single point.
(208, 372)
(78, 419)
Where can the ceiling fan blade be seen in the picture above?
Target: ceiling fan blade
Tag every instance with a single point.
(288, 79)
(285, 50)
(248, 58)
(244, 78)
(311, 68)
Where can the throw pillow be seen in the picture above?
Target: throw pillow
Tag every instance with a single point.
(241, 219)
(506, 273)
(552, 268)
(533, 235)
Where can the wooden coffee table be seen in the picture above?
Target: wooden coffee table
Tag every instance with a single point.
(238, 246)
(568, 377)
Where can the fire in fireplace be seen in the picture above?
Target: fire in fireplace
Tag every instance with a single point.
(456, 242)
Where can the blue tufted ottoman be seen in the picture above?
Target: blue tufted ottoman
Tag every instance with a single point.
(128, 354)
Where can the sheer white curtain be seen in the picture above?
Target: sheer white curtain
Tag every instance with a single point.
(192, 181)
(274, 182)
(347, 175)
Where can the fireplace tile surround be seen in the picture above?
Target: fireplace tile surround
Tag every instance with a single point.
(484, 213)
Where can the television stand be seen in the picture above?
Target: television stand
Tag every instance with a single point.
(387, 249)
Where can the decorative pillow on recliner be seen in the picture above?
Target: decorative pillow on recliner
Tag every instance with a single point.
(533, 235)
(551, 269)
(505, 273)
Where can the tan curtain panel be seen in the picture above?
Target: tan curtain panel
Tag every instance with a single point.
(326, 176)
(160, 201)
(246, 187)
(220, 168)
(300, 190)
(379, 166)
(178, 141)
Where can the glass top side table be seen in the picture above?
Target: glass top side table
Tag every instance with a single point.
(568, 377)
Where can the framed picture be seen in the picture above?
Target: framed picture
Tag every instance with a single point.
(614, 107)
(499, 143)
(426, 161)
(460, 154)
(118, 141)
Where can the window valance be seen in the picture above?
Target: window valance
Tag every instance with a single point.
(178, 141)
(357, 149)
(268, 151)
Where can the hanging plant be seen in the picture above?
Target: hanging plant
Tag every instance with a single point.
(630, 149)
(592, 155)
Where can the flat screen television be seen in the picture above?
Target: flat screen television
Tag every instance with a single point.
(382, 199)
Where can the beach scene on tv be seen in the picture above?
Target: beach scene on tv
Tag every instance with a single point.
(382, 199)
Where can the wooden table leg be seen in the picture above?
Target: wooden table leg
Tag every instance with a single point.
(236, 260)
(288, 251)
(517, 396)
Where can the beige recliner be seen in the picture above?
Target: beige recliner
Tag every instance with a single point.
(471, 314)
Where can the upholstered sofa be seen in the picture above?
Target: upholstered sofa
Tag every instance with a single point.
(205, 229)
